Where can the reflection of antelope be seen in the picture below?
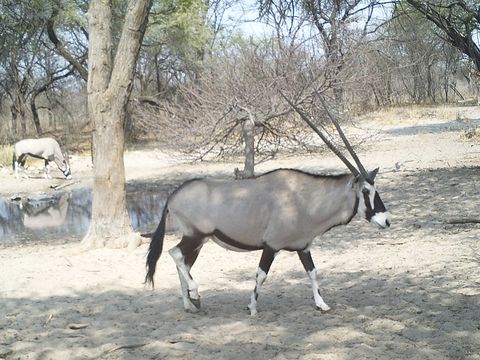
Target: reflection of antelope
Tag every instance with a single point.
(41, 214)
(44, 148)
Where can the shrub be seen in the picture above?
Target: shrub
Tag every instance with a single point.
(6, 153)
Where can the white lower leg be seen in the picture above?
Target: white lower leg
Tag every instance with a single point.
(192, 287)
(24, 172)
(259, 280)
(16, 169)
(316, 292)
(187, 304)
(47, 172)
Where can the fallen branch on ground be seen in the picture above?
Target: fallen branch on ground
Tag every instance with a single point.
(463, 221)
(58, 187)
(77, 326)
(128, 346)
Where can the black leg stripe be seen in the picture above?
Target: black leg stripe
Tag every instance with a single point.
(266, 260)
(306, 259)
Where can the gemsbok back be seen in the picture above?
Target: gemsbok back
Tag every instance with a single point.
(280, 210)
(47, 149)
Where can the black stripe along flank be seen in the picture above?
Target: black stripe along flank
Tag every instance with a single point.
(234, 243)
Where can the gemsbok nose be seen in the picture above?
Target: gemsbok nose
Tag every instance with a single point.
(382, 219)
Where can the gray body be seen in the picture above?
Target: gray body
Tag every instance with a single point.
(281, 210)
(284, 209)
(47, 149)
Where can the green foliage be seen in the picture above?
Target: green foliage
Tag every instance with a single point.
(414, 33)
(458, 23)
(460, 15)
(73, 13)
(178, 29)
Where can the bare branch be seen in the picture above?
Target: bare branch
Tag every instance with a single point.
(61, 49)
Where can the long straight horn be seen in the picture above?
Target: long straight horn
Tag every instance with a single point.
(332, 147)
(344, 138)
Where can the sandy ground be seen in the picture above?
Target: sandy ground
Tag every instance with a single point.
(410, 292)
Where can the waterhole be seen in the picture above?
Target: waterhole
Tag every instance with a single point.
(65, 217)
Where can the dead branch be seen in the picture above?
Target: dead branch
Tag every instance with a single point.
(128, 346)
(457, 221)
(61, 186)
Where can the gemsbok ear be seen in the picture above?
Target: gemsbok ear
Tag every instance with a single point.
(372, 174)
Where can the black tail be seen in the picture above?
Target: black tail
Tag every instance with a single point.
(14, 160)
(156, 246)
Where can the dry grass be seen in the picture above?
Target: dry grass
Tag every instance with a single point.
(473, 134)
(6, 153)
(415, 114)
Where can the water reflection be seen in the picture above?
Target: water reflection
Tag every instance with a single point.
(61, 217)
(45, 212)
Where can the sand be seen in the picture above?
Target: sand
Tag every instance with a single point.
(410, 292)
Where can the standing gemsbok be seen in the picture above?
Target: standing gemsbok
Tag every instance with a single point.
(280, 210)
(47, 149)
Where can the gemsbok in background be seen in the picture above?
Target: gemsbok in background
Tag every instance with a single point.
(47, 149)
(281, 210)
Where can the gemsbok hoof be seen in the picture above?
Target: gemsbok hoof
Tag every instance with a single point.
(324, 309)
(193, 305)
(196, 302)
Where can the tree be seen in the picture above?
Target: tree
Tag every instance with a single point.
(30, 70)
(177, 39)
(341, 26)
(234, 107)
(428, 64)
(20, 60)
(109, 87)
(459, 22)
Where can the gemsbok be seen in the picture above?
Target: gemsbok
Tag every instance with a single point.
(283, 209)
(47, 149)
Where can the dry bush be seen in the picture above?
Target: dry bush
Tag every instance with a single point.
(6, 153)
(208, 117)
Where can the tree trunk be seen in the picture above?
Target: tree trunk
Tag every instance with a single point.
(249, 150)
(249, 139)
(36, 118)
(14, 120)
(109, 89)
(18, 115)
(110, 222)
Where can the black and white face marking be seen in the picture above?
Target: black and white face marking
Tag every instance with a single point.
(371, 206)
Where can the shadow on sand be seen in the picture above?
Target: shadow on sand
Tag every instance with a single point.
(400, 317)
(385, 314)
